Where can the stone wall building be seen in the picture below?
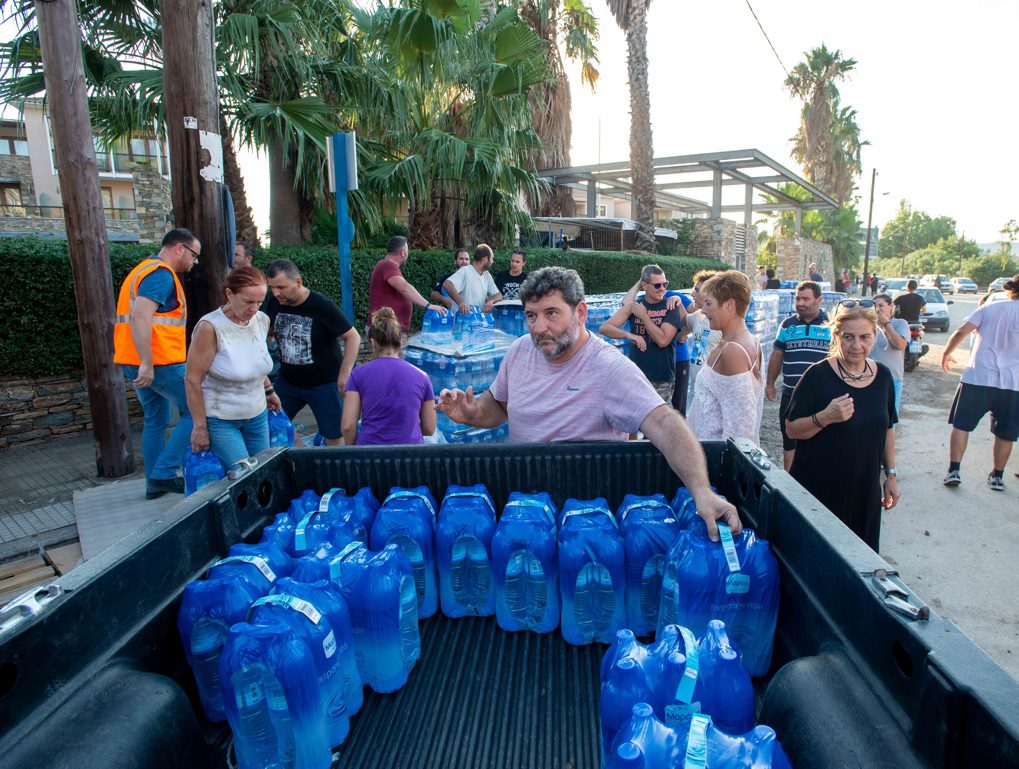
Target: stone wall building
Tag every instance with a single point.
(723, 239)
(796, 254)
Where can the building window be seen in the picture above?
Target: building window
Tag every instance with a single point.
(603, 210)
(10, 146)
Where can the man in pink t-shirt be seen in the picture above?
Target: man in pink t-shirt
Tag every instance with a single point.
(388, 287)
(562, 383)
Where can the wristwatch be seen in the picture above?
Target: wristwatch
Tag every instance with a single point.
(890, 471)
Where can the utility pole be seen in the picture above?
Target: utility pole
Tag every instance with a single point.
(870, 217)
(191, 101)
(87, 246)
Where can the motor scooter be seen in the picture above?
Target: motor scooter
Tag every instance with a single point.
(916, 349)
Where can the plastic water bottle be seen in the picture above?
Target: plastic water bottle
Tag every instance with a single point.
(200, 469)
(359, 509)
(649, 528)
(277, 558)
(315, 565)
(686, 512)
(281, 429)
(253, 569)
(208, 608)
(280, 531)
(318, 614)
(524, 565)
(273, 699)
(735, 580)
(383, 601)
(724, 690)
(318, 527)
(463, 541)
(591, 572)
(407, 520)
(299, 507)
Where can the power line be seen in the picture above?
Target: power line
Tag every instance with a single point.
(767, 38)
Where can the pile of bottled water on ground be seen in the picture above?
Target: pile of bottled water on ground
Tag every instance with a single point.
(283, 635)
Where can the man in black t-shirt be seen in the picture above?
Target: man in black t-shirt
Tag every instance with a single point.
(652, 333)
(308, 327)
(509, 281)
(461, 258)
(908, 306)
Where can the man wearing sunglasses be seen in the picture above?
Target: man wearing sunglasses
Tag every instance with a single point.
(652, 331)
(150, 344)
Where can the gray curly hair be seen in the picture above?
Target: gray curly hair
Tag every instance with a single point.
(548, 279)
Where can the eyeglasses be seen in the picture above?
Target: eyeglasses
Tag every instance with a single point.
(851, 303)
(659, 285)
(194, 254)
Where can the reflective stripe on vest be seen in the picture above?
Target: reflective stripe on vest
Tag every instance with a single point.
(169, 340)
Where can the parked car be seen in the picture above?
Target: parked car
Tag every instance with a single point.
(946, 285)
(964, 285)
(997, 284)
(935, 315)
(997, 296)
(893, 285)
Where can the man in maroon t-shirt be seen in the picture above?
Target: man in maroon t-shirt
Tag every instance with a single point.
(388, 287)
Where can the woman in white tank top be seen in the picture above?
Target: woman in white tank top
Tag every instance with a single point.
(227, 381)
(729, 392)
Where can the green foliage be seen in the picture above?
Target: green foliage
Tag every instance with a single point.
(911, 230)
(948, 256)
(40, 335)
(840, 228)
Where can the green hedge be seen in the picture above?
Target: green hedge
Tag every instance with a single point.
(39, 334)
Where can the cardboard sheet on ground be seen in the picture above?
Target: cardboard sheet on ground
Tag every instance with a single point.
(108, 513)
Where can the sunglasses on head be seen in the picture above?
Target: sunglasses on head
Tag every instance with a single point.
(665, 284)
(851, 303)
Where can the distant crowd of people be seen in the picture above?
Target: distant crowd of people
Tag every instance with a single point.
(690, 355)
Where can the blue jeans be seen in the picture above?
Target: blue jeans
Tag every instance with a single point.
(234, 439)
(162, 456)
(324, 400)
(897, 383)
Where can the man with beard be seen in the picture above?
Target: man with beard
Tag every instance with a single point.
(562, 383)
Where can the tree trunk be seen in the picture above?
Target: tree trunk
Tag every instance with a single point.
(64, 75)
(641, 144)
(284, 199)
(551, 104)
(247, 232)
(425, 230)
(191, 97)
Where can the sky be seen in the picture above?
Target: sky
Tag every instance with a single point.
(934, 88)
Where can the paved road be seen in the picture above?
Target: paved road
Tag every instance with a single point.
(953, 547)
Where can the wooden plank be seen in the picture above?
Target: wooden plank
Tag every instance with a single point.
(64, 558)
(28, 578)
(9, 595)
(19, 566)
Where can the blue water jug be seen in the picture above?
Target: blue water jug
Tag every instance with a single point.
(315, 565)
(735, 580)
(591, 572)
(280, 531)
(381, 594)
(252, 568)
(407, 520)
(299, 507)
(463, 545)
(319, 615)
(208, 608)
(281, 429)
(277, 558)
(200, 469)
(648, 526)
(318, 527)
(273, 699)
(359, 509)
(724, 689)
(686, 512)
(525, 568)
(645, 742)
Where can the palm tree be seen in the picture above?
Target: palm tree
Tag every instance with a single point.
(571, 22)
(815, 81)
(631, 16)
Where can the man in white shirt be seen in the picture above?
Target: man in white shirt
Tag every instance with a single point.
(473, 284)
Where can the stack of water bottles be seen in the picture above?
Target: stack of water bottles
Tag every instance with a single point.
(830, 300)
(763, 318)
(509, 317)
(601, 307)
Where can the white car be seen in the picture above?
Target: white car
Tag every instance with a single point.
(997, 296)
(935, 314)
(997, 284)
(964, 285)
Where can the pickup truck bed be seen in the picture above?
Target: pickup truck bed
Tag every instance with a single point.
(97, 678)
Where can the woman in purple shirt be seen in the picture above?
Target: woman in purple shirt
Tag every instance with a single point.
(392, 398)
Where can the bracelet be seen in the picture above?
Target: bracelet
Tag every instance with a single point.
(816, 421)
(269, 391)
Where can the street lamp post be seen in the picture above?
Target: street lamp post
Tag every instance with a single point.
(866, 249)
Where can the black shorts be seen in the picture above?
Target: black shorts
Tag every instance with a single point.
(973, 401)
(788, 444)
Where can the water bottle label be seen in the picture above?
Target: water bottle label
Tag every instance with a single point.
(697, 743)
(684, 692)
(647, 503)
(532, 503)
(334, 565)
(329, 644)
(250, 695)
(728, 546)
(411, 494)
(291, 602)
(681, 712)
(300, 535)
(472, 495)
(323, 504)
(737, 584)
(259, 563)
(586, 510)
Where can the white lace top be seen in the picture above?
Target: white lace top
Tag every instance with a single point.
(726, 406)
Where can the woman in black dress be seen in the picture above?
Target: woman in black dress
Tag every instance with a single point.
(841, 415)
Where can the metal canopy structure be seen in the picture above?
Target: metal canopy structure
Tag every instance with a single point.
(749, 172)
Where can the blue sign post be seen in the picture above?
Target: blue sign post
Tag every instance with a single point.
(343, 170)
